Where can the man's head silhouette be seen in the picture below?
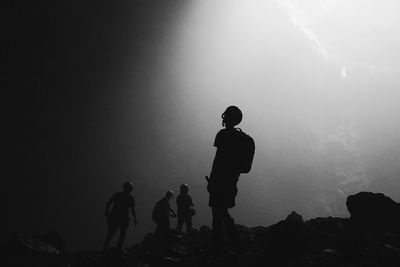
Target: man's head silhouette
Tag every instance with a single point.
(128, 187)
(169, 195)
(231, 117)
(184, 188)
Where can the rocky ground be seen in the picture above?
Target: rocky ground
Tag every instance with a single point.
(370, 237)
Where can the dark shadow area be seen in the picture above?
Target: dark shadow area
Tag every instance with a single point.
(370, 237)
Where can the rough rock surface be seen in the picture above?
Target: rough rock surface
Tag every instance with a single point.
(23, 250)
(365, 239)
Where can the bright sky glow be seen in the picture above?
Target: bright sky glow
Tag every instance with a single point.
(318, 81)
(358, 33)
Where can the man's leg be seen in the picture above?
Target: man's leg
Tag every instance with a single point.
(189, 224)
(122, 233)
(231, 228)
(179, 224)
(112, 227)
(158, 229)
(217, 226)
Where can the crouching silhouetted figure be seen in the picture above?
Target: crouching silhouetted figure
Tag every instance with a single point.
(118, 218)
(161, 213)
(186, 211)
(234, 155)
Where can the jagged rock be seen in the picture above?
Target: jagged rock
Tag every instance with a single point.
(54, 239)
(294, 216)
(23, 250)
(329, 225)
(374, 212)
(117, 257)
(328, 233)
(35, 245)
(112, 257)
(204, 235)
(287, 236)
(290, 242)
(330, 241)
(86, 258)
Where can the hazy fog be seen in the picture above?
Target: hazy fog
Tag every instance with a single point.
(135, 90)
(318, 82)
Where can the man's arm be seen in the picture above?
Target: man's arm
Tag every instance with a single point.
(133, 211)
(210, 178)
(215, 161)
(191, 201)
(106, 212)
(171, 211)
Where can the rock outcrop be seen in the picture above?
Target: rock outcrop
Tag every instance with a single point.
(374, 212)
(370, 237)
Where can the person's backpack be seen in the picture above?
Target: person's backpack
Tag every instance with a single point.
(246, 150)
(155, 215)
(192, 212)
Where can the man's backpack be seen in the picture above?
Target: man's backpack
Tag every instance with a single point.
(246, 150)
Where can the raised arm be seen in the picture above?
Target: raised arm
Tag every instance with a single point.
(106, 212)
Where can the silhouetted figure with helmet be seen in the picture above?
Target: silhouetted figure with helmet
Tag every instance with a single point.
(234, 155)
(184, 205)
(161, 213)
(118, 217)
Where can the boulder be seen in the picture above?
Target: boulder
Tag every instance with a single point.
(374, 212)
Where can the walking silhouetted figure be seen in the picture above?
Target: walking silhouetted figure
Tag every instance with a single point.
(161, 213)
(185, 205)
(234, 155)
(118, 218)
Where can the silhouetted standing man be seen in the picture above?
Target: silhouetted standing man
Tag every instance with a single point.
(184, 204)
(119, 215)
(229, 162)
(161, 214)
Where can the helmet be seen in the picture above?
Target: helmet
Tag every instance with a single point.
(128, 186)
(232, 115)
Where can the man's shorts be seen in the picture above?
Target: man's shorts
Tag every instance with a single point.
(115, 223)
